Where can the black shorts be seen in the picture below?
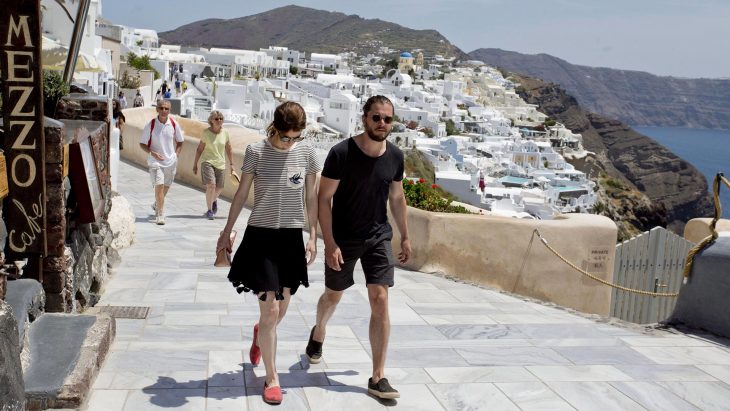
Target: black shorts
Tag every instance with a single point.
(269, 259)
(376, 259)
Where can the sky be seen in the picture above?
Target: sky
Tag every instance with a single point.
(665, 37)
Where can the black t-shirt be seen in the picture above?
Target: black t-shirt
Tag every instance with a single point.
(359, 206)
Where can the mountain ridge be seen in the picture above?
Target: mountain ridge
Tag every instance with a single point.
(633, 97)
(309, 30)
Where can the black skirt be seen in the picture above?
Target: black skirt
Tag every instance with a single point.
(269, 260)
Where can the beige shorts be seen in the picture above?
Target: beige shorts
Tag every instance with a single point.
(211, 175)
(163, 175)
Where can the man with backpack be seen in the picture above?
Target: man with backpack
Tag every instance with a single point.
(162, 138)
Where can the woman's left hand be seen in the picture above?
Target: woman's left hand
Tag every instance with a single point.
(311, 251)
(224, 241)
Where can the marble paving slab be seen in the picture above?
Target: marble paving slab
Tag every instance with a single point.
(453, 346)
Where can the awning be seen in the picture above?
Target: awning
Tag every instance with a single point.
(54, 55)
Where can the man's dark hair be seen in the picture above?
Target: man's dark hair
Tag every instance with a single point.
(375, 100)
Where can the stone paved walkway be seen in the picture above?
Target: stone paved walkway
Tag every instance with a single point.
(453, 346)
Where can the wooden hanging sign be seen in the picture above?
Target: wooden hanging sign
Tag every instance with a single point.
(22, 94)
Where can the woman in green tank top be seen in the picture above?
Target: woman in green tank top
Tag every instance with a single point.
(214, 147)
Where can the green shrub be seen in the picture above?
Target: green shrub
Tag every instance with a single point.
(599, 208)
(451, 129)
(614, 183)
(420, 195)
(53, 89)
(141, 63)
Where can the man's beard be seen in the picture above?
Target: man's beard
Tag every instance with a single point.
(371, 133)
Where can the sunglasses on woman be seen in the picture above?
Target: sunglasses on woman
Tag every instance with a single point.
(377, 117)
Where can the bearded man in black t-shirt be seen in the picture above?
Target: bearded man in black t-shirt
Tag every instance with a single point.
(360, 176)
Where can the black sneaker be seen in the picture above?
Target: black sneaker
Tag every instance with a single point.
(382, 389)
(215, 207)
(314, 349)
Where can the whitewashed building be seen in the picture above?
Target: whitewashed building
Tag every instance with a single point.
(325, 61)
(294, 57)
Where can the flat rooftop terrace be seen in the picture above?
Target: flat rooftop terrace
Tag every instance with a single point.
(453, 346)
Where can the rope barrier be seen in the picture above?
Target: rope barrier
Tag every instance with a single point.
(600, 280)
(719, 178)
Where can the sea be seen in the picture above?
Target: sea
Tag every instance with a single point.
(707, 150)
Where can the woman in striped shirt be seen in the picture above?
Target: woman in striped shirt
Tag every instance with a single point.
(272, 258)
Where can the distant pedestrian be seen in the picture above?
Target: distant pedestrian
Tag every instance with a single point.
(184, 86)
(272, 259)
(162, 139)
(177, 87)
(168, 94)
(119, 121)
(360, 177)
(158, 95)
(214, 147)
(122, 100)
(138, 100)
(164, 87)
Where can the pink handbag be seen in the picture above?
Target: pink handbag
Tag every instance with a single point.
(223, 256)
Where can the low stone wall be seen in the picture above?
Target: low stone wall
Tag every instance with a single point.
(506, 254)
(137, 118)
(495, 251)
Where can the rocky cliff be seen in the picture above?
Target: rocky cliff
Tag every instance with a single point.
(633, 97)
(642, 183)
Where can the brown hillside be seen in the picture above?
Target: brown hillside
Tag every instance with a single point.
(309, 30)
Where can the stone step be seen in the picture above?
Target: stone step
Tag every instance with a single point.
(27, 299)
(66, 352)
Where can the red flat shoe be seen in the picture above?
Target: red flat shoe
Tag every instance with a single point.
(255, 353)
(272, 395)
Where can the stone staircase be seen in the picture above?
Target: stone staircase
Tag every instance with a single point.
(48, 360)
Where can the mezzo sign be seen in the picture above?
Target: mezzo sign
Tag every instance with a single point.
(22, 94)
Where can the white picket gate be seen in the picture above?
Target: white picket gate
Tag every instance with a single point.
(651, 261)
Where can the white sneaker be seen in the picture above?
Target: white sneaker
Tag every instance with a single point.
(160, 219)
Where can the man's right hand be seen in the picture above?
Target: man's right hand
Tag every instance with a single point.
(333, 257)
(156, 155)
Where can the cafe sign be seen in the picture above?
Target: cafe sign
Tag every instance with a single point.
(22, 94)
